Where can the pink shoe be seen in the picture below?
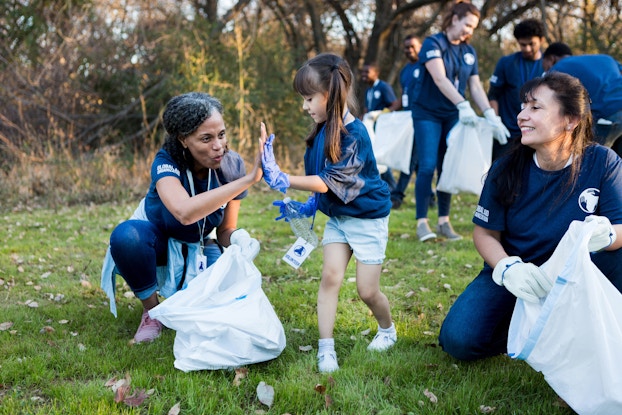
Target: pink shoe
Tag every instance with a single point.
(149, 329)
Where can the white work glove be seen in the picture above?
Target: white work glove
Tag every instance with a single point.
(466, 114)
(499, 131)
(248, 246)
(603, 236)
(524, 280)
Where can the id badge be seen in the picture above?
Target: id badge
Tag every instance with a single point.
(201, 262)
(405, 100)
(297, 254)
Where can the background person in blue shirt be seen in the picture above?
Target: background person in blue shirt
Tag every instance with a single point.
(555, 174)
(379, 96)
(448, 65)
(408, 75)
(600, 74)
(511, 72)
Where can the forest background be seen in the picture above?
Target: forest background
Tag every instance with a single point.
(83, 82)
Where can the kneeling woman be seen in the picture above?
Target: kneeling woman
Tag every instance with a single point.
(196, 187)
(555, 174)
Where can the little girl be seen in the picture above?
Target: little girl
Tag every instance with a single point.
(340, 167)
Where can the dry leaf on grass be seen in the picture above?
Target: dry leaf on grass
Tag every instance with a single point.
(175, 410)
(240, 373)
(265, 393)
(432, 397)
(136, 399)
(6, 325)
(486, 409)
(319, 388)
(306, 348)
(328, 401)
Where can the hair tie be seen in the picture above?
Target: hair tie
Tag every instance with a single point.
(332, 68)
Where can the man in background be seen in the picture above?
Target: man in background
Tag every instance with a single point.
(511, 72)
(600, 75)
(409, 72)
(379, 96)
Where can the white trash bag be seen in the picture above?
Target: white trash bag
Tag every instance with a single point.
(223, 318)
(574, 336)
(394, 139)
(468, 158)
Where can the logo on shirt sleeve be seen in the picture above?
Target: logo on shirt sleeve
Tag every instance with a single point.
(167, 168)
(493, 79)
(588, 200)
(481, 213)
(434, 53)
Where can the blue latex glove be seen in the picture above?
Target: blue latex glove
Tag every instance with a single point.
(272, 174)
(306, 209)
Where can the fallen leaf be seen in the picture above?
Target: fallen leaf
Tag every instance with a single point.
(32, 304)
(410, 294)
(81, 347)
(328, 401)
(265, 394)
(432, 397)
(307, 348)
(319, 388)
(110, 382)
(136, 399)
(63, 321)
(46, 329)
(365, 332)
(120, 392)
(486, 409)
(85, 284)
(6, 325)
(240, 373)
(175, 410)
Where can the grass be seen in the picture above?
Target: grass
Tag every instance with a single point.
(64, 344)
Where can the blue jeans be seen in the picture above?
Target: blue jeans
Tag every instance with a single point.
(605, 133)
(431, 142)
(387, 176)
(138, 247)
(477, 324)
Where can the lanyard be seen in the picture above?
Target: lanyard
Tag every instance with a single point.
(209, 184)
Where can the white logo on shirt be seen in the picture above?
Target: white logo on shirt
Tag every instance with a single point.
(416, 73)
(167, 168)
(493, 79)
(588, 200)
(481, 213)
(469, 59)
(436, 53)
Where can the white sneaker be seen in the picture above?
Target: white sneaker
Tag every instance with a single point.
(327, 362)
(382, 341)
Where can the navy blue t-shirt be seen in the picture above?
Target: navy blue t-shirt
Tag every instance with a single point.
(408, 75)
(355, 188)
(428, 102)
(379, 96)
(533, 226)
(600, 75)
(511, 73)
(231, 168)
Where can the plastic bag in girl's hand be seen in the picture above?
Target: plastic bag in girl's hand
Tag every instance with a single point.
(574, 336)
(223, 318)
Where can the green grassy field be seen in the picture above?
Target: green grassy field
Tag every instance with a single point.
(61, 349)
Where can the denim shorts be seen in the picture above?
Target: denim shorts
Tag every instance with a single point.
(366, 237)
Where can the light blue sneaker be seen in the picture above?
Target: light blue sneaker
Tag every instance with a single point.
(382, 341)
(327, 362)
